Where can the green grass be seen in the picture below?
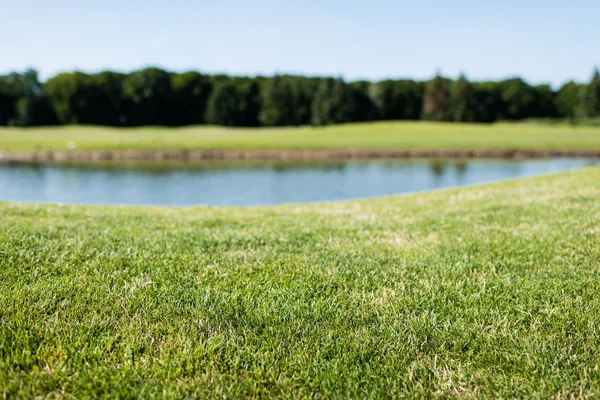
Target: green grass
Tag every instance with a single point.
(484, 291)
(407, 135)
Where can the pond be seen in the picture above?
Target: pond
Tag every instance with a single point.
(258, 184)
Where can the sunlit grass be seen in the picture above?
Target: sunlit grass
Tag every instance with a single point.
(485, 291)
(378, 135)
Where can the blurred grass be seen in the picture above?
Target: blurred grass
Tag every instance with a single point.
(485, 291)
(376, 135)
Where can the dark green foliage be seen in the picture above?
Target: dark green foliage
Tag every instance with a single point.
(401, 99)
(304, 90)
(437, 104)
(365, 108)
(25, 111)
(108, 101)
(278, 103)
(234, 102)
(488, 101)
(287, 100)
(23, 101)
(519, 99)
(222, 106)
(190, 93)
(69, 95)
(35, 111)
(463, 100)
(80, 98)
(334, 103)
(153, 96)
(544, 100)
(147, 95)
(566, 100)
(10, 92)
(249, 101)
(589, 102)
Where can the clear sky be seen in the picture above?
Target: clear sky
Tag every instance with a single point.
(542, 41)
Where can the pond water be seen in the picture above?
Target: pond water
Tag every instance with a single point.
(261, 184)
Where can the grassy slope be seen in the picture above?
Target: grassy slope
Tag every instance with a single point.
(407, 135)
(465, 292)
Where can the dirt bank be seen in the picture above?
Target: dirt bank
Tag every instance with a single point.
(323, 154)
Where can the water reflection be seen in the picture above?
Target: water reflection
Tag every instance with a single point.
(254, 184)
(460, 167)
(437, 167)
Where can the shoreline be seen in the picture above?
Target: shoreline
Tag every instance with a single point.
(287, 155)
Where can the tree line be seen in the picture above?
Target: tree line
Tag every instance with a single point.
(153, 96)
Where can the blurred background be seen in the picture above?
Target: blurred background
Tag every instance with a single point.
(270, 63)
(180, 80)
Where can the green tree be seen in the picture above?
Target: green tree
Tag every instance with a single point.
(35, 111)
(381, 94)
(75, 98)
(304, 90)
(234, 102)
(64, 91)
(566, 100)
(278, 102)
(463, 100)
(365, 108)
(147, 97)
(397, 99)
(107, 101)
(519, 99)
(544, 102)
(11, 90)
(287, 100)
(589, 102)
(249, 103)
(488, 101)
(334, 103)
(32, 107)
(155, 97)
(29, 89)
(222, 105)
(436, 100)
(190, 93)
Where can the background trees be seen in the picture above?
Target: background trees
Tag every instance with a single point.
(234, 102)
(589, 99)
(23, 101)
(152, 96)
(79, 98)
(147, 97)
(463, 100)
(278, 102)
(566, 100)
(334, 103)
(401, 99)
(10, 92)
(488, 101)
(437, 104)
(518, 99)
(190, 92)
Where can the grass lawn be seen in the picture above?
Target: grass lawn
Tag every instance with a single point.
(483, 291)
(377, 135)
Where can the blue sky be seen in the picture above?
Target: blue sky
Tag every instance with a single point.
(542, 41)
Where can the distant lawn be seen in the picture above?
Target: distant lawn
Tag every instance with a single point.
(377, 135)
(485, 291)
